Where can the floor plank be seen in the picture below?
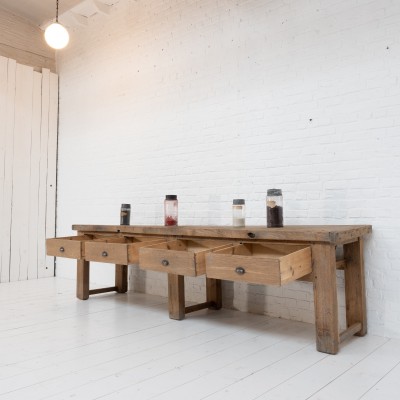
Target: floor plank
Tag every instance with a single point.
(386, 386)
(364, 375)
(124, 346)
(316, 376)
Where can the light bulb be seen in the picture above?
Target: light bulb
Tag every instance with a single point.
(56, 36)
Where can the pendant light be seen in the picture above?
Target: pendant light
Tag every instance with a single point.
(56, 35)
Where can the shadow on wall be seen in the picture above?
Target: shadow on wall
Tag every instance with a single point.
(235, 295)
(250, 298)
(137, 279)
(228, 294)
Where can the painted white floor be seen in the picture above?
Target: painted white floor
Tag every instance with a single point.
(124, 346)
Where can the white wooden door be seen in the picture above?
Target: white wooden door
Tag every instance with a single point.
(28, 156)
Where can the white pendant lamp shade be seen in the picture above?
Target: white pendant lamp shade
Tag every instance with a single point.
(56, 36)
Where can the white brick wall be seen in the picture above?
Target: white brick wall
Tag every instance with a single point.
(214, 100)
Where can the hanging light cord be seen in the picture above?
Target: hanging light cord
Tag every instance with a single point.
(57, 13)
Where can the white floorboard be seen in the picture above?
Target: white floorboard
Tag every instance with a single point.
(124, 346)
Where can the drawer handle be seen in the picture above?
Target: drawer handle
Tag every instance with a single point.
(62, 249)
(240, 270)
(165, 263)
(104, 254)
(251, 235)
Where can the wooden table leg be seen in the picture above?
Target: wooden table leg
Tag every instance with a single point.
(121, 278)
(214, 292)
(82, 279)
(355, 286)
(325, 298)
(176, 296)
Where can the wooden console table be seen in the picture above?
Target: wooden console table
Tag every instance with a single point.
(252, 254)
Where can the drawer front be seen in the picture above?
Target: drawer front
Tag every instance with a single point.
(173, 262)
(274, 269)
(179, 257)
(68, 247)
(242, 269)
(114, 253)
(117, 250)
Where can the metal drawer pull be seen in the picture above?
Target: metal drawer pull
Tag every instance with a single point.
(62, 249)
(251, 235)
(240, 270)
(165, 263)
(104, 254)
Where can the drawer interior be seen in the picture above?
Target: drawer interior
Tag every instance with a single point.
(189, 245)
(128, 239)
(261, 250)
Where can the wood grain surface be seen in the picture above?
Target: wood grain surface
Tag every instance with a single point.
(337, 234)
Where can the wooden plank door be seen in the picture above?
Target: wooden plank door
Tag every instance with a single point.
(28, 151)
(7, 87)
(19, 258)
(47, 170)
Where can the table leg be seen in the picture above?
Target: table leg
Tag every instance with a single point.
(214, 292)
(176, 296)
(82, 279)
(121, 278)
(355, 286)
(325, 298)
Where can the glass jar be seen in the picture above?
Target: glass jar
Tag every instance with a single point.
(125, 214)
(274, 208)
(171, 210)
(238, 212)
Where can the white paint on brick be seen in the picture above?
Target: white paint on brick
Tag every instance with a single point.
(214, 100)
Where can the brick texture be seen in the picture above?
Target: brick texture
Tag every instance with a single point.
(214, 100)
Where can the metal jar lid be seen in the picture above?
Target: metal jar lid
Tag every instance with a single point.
(274, 192)
(237, 202)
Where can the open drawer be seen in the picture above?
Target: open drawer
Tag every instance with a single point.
(260, 263)
(118, 250)
(69, 247)
(180, 257)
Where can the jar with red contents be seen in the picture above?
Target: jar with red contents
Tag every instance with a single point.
(171, 210)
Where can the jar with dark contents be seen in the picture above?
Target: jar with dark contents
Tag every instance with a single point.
(171, 210)
(274, 208)
(125, 214)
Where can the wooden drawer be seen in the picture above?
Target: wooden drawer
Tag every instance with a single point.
(117, 250)
(264, 264)
(180, 257)
(69, 247)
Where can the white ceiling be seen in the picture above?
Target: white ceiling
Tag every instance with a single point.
(41, 12)
(38, 11)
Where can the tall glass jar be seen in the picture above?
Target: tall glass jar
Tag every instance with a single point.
(125, 214)
(274, 208)
(238, 212)
(171, 210)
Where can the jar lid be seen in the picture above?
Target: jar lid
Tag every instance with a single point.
(171, 197)
(274, 192)
(125, 206)
(238, 201)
